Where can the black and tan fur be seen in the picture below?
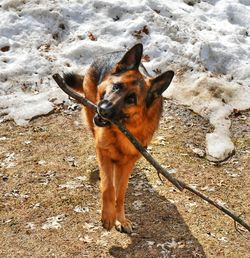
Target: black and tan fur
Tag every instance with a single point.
(121, 92)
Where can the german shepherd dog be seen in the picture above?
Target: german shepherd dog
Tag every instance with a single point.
(121, 92)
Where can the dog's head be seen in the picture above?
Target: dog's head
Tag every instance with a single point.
(126, 93)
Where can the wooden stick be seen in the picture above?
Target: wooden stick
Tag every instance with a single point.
(160, 170)
(59, 80)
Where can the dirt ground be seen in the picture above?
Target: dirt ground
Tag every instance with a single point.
(49, 190)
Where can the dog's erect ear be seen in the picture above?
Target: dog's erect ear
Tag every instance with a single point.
(131, 60)
(158, 86)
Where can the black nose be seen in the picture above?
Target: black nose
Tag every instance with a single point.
(106, 109)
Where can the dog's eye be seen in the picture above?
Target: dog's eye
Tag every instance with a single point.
(117, 86)
(131, 99)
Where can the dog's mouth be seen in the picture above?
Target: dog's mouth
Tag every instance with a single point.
(99, 121)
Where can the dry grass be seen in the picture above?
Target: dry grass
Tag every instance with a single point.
(56, 150)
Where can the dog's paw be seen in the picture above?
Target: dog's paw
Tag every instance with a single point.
(125, 226)
(108, 220)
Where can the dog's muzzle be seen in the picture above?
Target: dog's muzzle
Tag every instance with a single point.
(105, 111)
(99, 121)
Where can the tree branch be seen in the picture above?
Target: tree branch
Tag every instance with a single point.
(160, 170)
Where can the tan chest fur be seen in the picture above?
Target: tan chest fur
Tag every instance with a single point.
(116, 145)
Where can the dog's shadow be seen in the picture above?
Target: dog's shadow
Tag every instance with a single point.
(160, 230)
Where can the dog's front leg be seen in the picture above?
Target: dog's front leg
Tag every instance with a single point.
(107, 189)
(122, 173)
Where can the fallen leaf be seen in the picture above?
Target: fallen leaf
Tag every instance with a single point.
(138, 33)
(5, 48)
(157, 71)
(91, 36)
(145, 30)
(146, 58)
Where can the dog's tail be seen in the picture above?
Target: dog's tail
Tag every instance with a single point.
(74, 81)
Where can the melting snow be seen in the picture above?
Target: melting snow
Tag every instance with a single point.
(86, 239)
(75, 183)
(80, 209)
(54, 222)
(137, 205)
(90, 227)
(41, 162)
(208, 188)
(208, 39)
(8, 162)
(31, 225)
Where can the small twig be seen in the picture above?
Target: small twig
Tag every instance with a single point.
(159, 176)
(239, 230)
(160, 170)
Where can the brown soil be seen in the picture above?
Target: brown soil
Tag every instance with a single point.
(53, 170)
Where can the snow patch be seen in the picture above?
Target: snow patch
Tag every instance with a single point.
(80, 209)
(31, 225)
(214, 99)
(54, 222)
(8, 162)
(22, 107)
(75, 183)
